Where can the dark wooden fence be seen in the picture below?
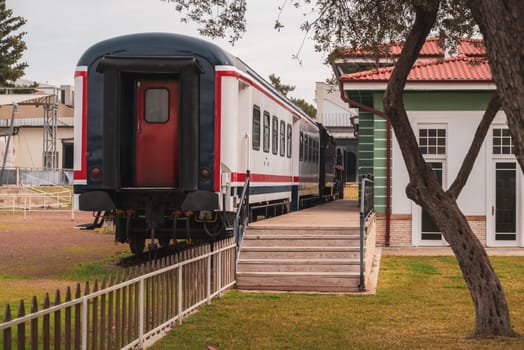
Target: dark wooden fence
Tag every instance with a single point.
(128, 311)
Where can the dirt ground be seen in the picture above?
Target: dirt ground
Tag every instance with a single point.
(46, 244)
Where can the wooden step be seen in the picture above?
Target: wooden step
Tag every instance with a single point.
(299, 252)
(295, 281)
(315, 250)
(298, 265)
(293, 231)
(299, 240)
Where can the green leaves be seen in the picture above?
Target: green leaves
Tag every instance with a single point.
(217, 18)
(12, 46)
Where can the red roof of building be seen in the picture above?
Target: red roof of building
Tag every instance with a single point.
(454, 69)
(430, 49)
(472, 48)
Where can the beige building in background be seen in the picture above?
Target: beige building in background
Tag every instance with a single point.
(27, 141)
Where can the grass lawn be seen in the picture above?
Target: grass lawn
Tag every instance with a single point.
(421, 303)
(16, 288)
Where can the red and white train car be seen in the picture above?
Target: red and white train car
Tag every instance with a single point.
(167, 127)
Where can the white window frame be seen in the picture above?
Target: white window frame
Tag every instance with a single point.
(427, 126)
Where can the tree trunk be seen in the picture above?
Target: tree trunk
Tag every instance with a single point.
(501, 23)
(491, 310)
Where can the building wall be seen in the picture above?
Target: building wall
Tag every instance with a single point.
(457, 112)
(379, 163)
(401, 230)
(29, 146)
(327, 98)
(459, 115)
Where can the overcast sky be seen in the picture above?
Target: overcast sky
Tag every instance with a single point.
(59, 31)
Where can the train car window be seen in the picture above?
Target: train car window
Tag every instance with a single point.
(255, 136)
(315, 151)
(306, 148)
(266, 132)
(301, 147)
(289, 133)
(156, 105)
(274, 135)
(312, 157)
(282, 138)
(318, 150)
(310, 150)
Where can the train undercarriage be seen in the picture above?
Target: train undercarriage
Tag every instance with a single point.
(135, 228)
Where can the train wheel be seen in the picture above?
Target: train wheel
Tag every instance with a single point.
(120, 229)
(214, 229)
(137, 244)
(137, 240)
(164, 241)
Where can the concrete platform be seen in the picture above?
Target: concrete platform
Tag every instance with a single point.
(342, 214)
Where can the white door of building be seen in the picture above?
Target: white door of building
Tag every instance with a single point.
(504, 216)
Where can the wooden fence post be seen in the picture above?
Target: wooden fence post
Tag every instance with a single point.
(34, 324)
(58, 320)
(78, 318)
(20, 339)
(94, 318)
(67, 325)
(103, 315)
(46, 330)
(7, 332)
(85, 319)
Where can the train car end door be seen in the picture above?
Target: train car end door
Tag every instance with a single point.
(156, 160)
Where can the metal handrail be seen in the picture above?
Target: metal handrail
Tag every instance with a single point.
(366, 196)
(242, 214)
(366, 208)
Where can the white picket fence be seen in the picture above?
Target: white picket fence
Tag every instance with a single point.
(128, 312)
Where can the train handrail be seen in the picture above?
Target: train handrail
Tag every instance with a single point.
(366, 207)
(242, 214)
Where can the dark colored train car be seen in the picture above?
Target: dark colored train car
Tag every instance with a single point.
(327, 174)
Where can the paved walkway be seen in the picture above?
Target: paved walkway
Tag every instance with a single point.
(342, 213)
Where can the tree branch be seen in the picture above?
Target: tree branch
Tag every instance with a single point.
(476, 144)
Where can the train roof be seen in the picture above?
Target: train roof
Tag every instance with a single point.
(174, 45)
(157, 44)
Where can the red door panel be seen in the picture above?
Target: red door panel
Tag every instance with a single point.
(157, 133)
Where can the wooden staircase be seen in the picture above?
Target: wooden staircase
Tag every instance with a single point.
(302, 259)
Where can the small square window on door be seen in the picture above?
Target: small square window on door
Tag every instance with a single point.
(156, 105)
(432, 141)
(502, 143)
